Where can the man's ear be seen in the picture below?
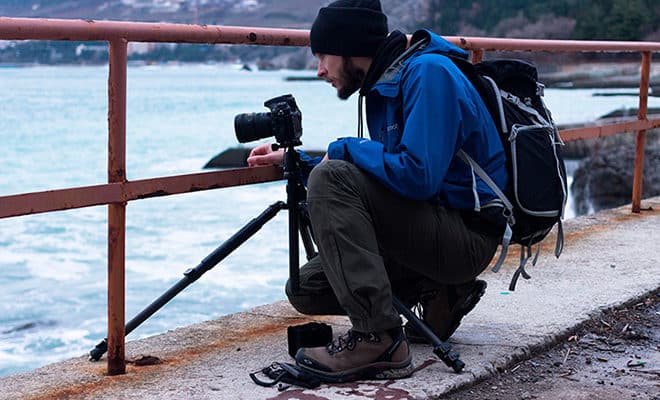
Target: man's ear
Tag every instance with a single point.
(363, 63)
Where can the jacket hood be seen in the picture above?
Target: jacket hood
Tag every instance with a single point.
(436, 44)
(422, 42)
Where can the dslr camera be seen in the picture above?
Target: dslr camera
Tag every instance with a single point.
(284, 122)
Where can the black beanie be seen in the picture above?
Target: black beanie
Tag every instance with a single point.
(350, 28)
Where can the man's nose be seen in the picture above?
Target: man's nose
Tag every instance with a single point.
(321, 71)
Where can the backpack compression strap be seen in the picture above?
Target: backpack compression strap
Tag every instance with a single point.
(510, 221)
(508, 233)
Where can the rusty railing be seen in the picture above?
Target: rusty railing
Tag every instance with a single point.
(119, 191)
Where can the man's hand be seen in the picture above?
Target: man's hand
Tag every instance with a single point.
(264, 155)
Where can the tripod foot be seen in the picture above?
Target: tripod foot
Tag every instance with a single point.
(97, 352)
(450, 358)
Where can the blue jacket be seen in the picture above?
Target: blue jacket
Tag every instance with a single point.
(419, 114)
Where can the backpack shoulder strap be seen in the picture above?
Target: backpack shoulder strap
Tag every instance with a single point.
(397, 64)
(487, 89)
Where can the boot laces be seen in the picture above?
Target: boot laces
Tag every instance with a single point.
(349, 340)
(424, 299)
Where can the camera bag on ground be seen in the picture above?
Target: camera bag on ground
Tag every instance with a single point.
(536, 194)
(312, 334)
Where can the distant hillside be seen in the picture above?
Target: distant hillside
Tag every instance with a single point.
(266, 13)
(269, 13)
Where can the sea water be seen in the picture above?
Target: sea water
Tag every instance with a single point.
(53, 267)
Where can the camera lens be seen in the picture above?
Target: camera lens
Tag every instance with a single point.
(252, 126)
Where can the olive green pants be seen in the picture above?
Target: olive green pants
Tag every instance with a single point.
(373, 242)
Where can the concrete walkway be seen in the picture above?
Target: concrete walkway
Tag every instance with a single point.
(610, 258)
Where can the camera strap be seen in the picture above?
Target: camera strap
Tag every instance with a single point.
(286, 373)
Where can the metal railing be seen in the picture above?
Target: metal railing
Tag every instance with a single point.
(119, 191)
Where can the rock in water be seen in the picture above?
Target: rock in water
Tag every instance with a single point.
(604, 180)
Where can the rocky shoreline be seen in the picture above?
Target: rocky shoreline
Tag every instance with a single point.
(599, 75)
(604, 177)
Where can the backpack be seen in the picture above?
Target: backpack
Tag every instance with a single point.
(536, 194)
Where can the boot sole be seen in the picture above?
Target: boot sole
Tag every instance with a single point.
(388, 370)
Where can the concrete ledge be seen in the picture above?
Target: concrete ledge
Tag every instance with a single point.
(609, 259)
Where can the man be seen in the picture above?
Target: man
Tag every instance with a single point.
(398, 213)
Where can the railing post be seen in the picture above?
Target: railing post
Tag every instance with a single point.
(638, 176)
(477, 56)
(116, 211)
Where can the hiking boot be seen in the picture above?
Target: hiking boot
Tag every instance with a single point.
(443, 309)
(357, 355)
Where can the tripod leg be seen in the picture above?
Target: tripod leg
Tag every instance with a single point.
(441, 349)
(306, 231)
(194, 274)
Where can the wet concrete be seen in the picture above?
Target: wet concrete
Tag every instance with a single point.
(613, 356)
(609, 259)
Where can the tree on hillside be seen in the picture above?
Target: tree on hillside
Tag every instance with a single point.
(616, 20)
(556, 19)
(628, 18)
(547, 26)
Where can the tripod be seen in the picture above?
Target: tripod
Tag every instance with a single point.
(299, 223)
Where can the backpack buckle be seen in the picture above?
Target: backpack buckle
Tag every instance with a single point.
(540, 89)
(507, 213)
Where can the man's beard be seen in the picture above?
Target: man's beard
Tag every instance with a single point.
(352, 78)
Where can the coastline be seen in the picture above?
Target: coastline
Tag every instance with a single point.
(580, 75)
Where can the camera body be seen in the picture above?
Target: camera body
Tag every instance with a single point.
(283, 122)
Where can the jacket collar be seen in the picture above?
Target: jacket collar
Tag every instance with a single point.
(389, 51)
